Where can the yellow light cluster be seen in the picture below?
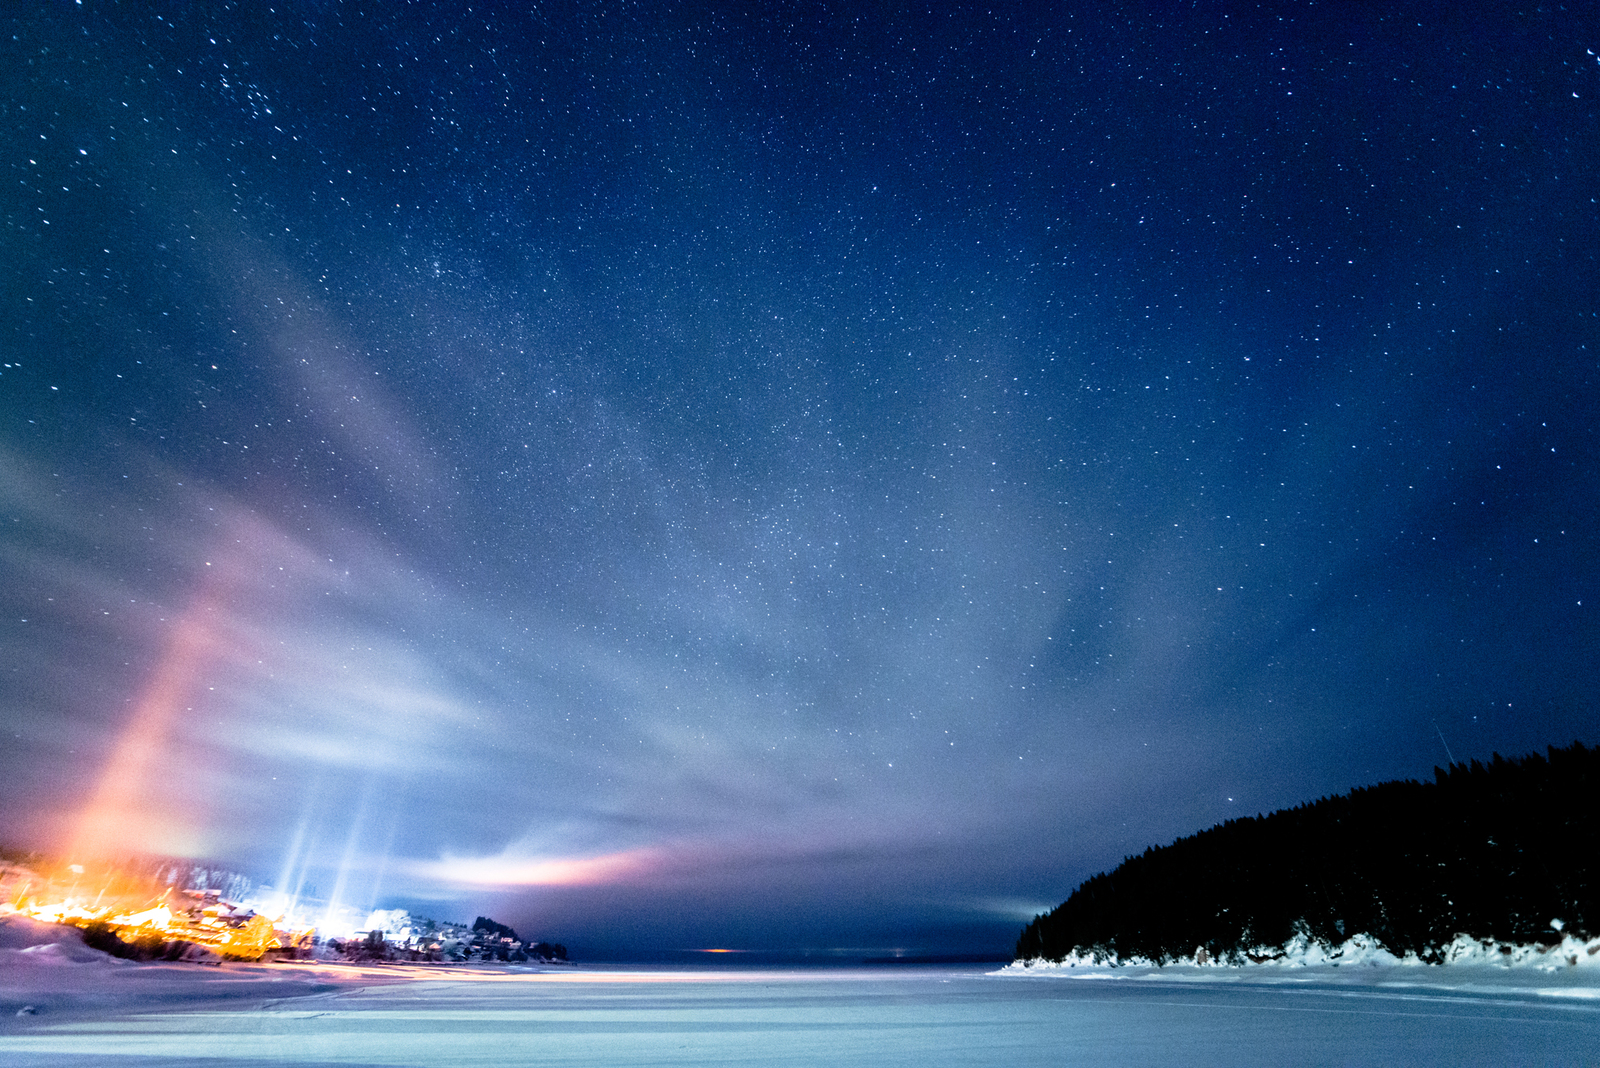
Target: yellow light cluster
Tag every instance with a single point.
(135, 910)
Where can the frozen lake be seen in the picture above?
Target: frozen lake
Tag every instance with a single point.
(867, 1016)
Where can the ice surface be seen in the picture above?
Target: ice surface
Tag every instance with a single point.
(243, 1015)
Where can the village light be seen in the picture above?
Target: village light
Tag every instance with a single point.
(141, 911)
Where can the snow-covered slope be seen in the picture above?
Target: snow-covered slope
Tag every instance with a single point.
(27, 943)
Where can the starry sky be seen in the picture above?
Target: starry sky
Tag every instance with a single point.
(824, 480)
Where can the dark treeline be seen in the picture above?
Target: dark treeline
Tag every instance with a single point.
(1492, 851)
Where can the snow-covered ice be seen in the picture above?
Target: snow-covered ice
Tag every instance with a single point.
(91, 1010)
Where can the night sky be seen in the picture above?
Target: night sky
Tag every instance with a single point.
(669, 477)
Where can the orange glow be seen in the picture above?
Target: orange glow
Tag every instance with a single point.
(142, 912)
(124, 814)
(119, 818)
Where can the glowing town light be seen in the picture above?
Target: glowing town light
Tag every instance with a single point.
(140, 911)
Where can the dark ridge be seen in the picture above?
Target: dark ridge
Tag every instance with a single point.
(1494, 851)
(494, 930)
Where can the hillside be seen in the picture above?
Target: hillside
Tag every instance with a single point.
(1504, 851)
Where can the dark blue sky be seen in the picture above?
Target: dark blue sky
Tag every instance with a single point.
(670, 477)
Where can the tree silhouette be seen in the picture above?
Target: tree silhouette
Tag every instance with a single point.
(1495, 851)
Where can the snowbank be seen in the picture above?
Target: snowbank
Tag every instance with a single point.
(26, 942)
(1357, 951)
(47, 970)
(1568, 970)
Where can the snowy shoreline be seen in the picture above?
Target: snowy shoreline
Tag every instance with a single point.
(1567, 970)
(47, 971)
(1356, 951)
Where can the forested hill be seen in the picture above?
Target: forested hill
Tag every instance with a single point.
(1494, 851)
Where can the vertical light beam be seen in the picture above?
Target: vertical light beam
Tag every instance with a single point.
(119, 816)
